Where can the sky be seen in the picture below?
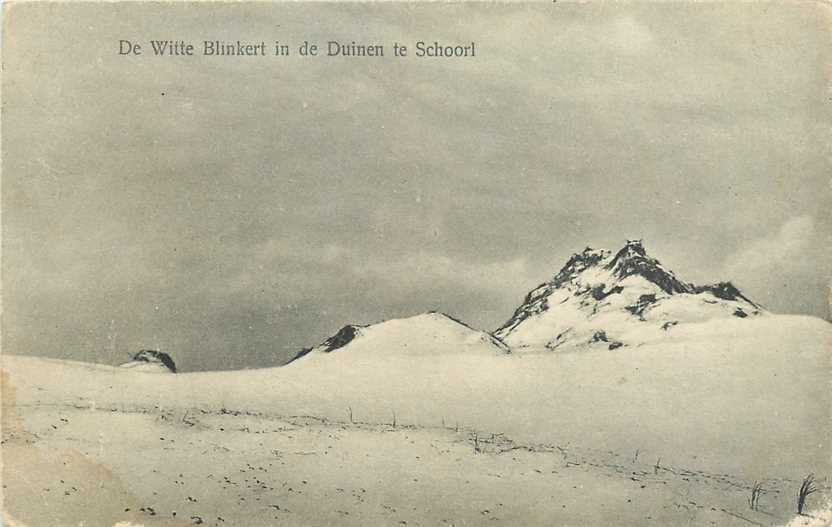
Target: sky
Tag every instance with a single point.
(230, 211)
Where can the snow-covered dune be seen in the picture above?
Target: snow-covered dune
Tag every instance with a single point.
(427, 335)
(748, 396)
(618, 367)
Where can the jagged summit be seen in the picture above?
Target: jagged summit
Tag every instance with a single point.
(578, 263)
(430, 333)
(632, 259)
(601, 297)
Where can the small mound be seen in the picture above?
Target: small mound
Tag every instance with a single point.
(427, 334)
(151, 361)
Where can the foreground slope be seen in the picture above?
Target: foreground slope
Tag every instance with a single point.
(156, 467)
(665, 433)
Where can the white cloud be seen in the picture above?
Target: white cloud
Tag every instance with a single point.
(415, 271)
(400, 273)
(780, 250)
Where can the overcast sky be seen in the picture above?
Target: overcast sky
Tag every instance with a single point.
(232, 211)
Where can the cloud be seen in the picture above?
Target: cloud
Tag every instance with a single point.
(780, 251)
(401, 272)
(423, 268)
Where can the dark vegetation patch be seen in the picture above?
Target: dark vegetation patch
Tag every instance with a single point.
(155, 356)
(598, 292)
(725, 291)
(600, 336)
(643, 302)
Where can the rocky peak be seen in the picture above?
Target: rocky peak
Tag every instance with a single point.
(597, 290)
